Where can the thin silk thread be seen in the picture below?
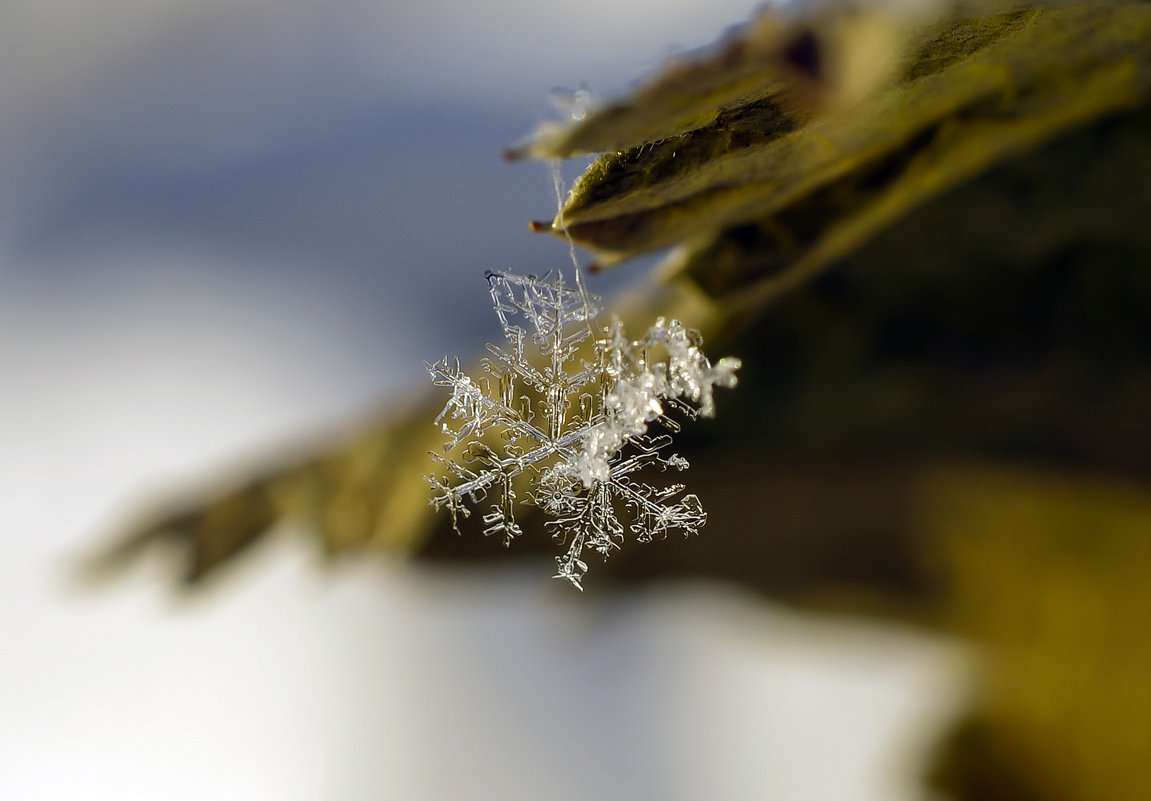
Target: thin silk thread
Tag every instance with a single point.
(561, 191)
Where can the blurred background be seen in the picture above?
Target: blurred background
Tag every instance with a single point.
(230, 227)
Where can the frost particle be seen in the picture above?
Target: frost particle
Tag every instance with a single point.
(570, 403)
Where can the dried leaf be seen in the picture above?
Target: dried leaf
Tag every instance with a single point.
(952, 428)
(970, 93)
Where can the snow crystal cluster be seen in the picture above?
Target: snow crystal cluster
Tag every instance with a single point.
(563, 414)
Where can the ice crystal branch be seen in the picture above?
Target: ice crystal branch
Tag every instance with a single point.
(565, 409)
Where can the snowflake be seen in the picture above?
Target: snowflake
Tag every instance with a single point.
(564, 409)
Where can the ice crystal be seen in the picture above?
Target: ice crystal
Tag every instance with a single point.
(562, 414)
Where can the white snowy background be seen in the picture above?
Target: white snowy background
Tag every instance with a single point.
(227, 225)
